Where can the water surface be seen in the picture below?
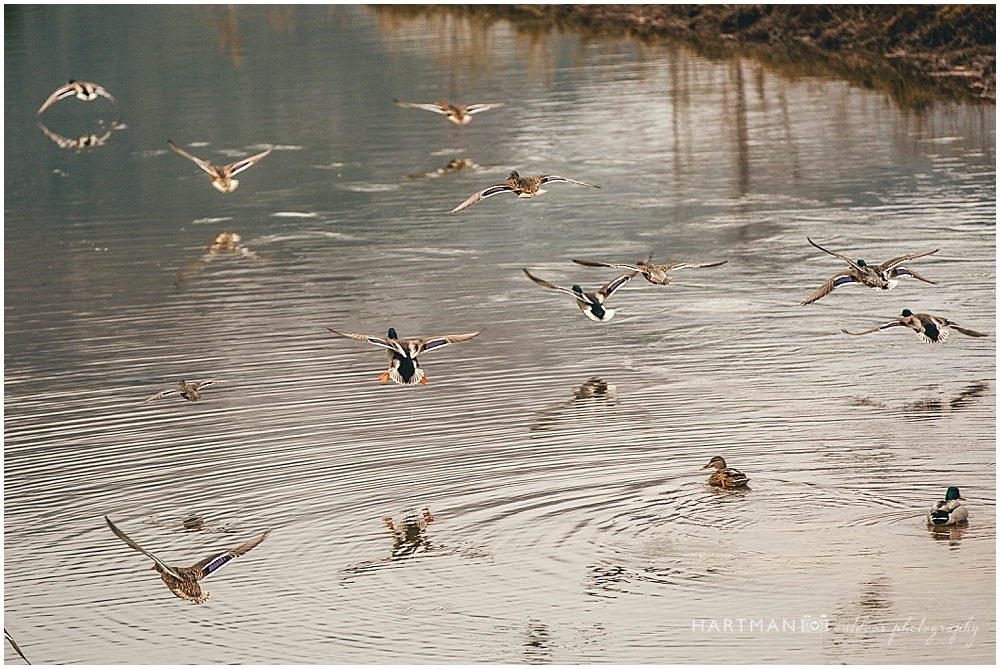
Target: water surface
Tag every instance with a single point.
(558, 459)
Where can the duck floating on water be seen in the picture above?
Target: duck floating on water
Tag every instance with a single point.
(183, 581)
(524, 187)
(460, 114)
(83, 90)
(656, 274)
(723, 476)
(189, 391)
(877, 277)
(221, 176)
(931, 329)
(591, 304)
(948, 511)
(402, 353)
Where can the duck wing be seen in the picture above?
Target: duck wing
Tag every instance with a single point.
(246, 163)
(835, 255)
(391, 344)
(485, 193)
(683, 265)
(830, 284)
(543, 282)
(437, 109)
(901, 271)
(124, 537)
(208, 167)
(431, 343)
(208, 382)
(891, 264)
(217, 561)
(966, 331)
(475, 109)
(63, 91)
(880, 327)
(593, 263)
(550, 178)
(13, 644)
(162, 393)
(610, 287)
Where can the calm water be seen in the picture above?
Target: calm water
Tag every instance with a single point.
(558, 458)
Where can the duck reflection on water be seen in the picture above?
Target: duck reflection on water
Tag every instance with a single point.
(224, 243)
(83, 141)
(454, 165)
(592, 393)
(409, 533)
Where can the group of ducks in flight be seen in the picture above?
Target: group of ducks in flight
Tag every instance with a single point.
(402, 354)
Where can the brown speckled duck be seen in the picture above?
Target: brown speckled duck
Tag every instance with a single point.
(524, 187)
(723, 476)
(656, 274)
(189, 391)
(221, 176)
(460, 114)
(183, 581)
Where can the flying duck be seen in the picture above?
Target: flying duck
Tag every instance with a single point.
(222, 176)
(876, 277)
(929, 328)
(653, 273)
(591, 304)
(189, 391)
(460, 114)
(82, 89)
(525, 187)
(402, 353)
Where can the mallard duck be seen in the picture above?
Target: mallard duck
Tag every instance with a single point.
(222, 176)
(876, 277)
(525, 187)
(83, 141)
(949, 510)
(591, 304)
(653, 273)
(460, 114)
(13, 644)
(183, 581)
(723, 476)
(189, 391)
(82, 89)
(929, 328)
(402, 353)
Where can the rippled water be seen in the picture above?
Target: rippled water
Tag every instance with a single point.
(557, 459)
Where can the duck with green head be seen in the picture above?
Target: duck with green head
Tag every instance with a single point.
(591, 304)
(948, 511)
(402, 353)
(931, 329)
(877, 277)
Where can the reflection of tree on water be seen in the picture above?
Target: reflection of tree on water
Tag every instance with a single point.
(226, 28)
(225, 243)
(83, 141)
(409, 534)
(593, 393)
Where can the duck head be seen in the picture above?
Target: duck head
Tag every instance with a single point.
(577, 289)
(717, 462)
(392, 333)
(513, 176)
(952, 494)
(906, 313)
(862, 263)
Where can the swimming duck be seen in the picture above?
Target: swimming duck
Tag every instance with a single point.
(876, 277)
(402, 353)
(183, 581)
(460, 114)
(929, 328)
(949, 510)
(13, 645)
(525, 187)
(189, 391)
(82, 89)
(83, 141)
(653, 273)
(591, 304)
(222, 176)
(723, 476)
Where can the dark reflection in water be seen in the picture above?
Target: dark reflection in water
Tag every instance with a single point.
(950, 533)
(224, 243)
(83, 141)
(930, 408)
(538, 643)
(592, 398)
(409, 534)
